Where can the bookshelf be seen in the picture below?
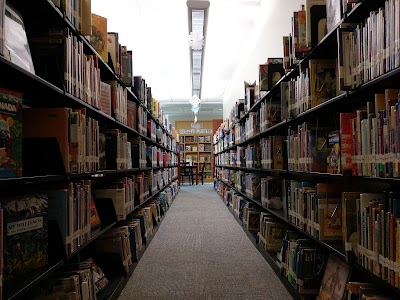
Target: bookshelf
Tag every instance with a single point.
(114, 172)
(196, 145)
(268, 177)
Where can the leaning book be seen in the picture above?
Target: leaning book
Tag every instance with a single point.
(10, 133)
(25, 234)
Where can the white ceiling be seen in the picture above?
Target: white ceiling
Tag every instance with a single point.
(157, 33)
(241, 34)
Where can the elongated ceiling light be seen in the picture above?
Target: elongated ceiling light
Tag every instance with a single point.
(197, 14)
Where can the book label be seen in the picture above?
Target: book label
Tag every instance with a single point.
(24, 226)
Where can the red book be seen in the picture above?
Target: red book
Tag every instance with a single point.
(346, 140)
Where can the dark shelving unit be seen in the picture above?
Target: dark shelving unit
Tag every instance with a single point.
(39, 92)
(344, 102)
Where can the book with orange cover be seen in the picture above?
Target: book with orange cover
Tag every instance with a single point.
(99, 36)
(49, 123)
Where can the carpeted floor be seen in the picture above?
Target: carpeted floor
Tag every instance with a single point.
(201, 252)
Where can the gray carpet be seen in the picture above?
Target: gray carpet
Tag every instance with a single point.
(201, 252)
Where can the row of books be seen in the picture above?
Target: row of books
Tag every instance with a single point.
(369, 49)
(301, 262)
(144, 95)
(365, 145)
(114, 251)
(365, 222)
(268, 153)
(310, 269)
(82, 77)
(84, 147)
(195, 139)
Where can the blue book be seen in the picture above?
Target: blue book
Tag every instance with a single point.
(58, 211)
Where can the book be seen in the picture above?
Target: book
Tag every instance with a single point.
(346, 143)
(275, 71)
(16, 46)
(335, 279)
(10, 134)
(316, 21)
(333, 14)
(25, 234)
(49, 123)
(334, 152)
(94, 216)
(98, 39)
(349, 224)
(99, 278)
(322, 80)
(311, 263)
(2, 31)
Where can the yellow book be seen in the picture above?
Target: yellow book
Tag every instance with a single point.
(98, 39)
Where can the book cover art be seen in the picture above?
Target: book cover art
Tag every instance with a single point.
(316, 21)
(322, 80)
(16, 45)
(274, 234)
(330, 219)
(335, 279)
(333, 14)
(10, 134)
(311, 266)
(99, 278)
(275, 71)
(346, 142)
(317, 147)
(98, 39)
(94, 216)
(25, 234)
(263, 77)
(334, 153)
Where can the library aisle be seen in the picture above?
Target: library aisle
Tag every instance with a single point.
(201, 252)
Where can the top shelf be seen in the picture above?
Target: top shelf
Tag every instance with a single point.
(35, 87)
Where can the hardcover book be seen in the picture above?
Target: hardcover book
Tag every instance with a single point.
(10, 134)
(263, 77)
(275, 71)
(16, 46)
(334, 153)
(333, 13)
(349, 224)
(94, 216)
(346, 143)
(98, 39)
(99, 278)
(311, 265)
(335, 279)
(25, 234)
(2, 21)
(322, 80)
(316, 21)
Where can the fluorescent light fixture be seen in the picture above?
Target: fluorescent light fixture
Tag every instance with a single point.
(197, 20)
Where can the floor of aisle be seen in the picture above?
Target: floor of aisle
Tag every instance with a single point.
(201, 252)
